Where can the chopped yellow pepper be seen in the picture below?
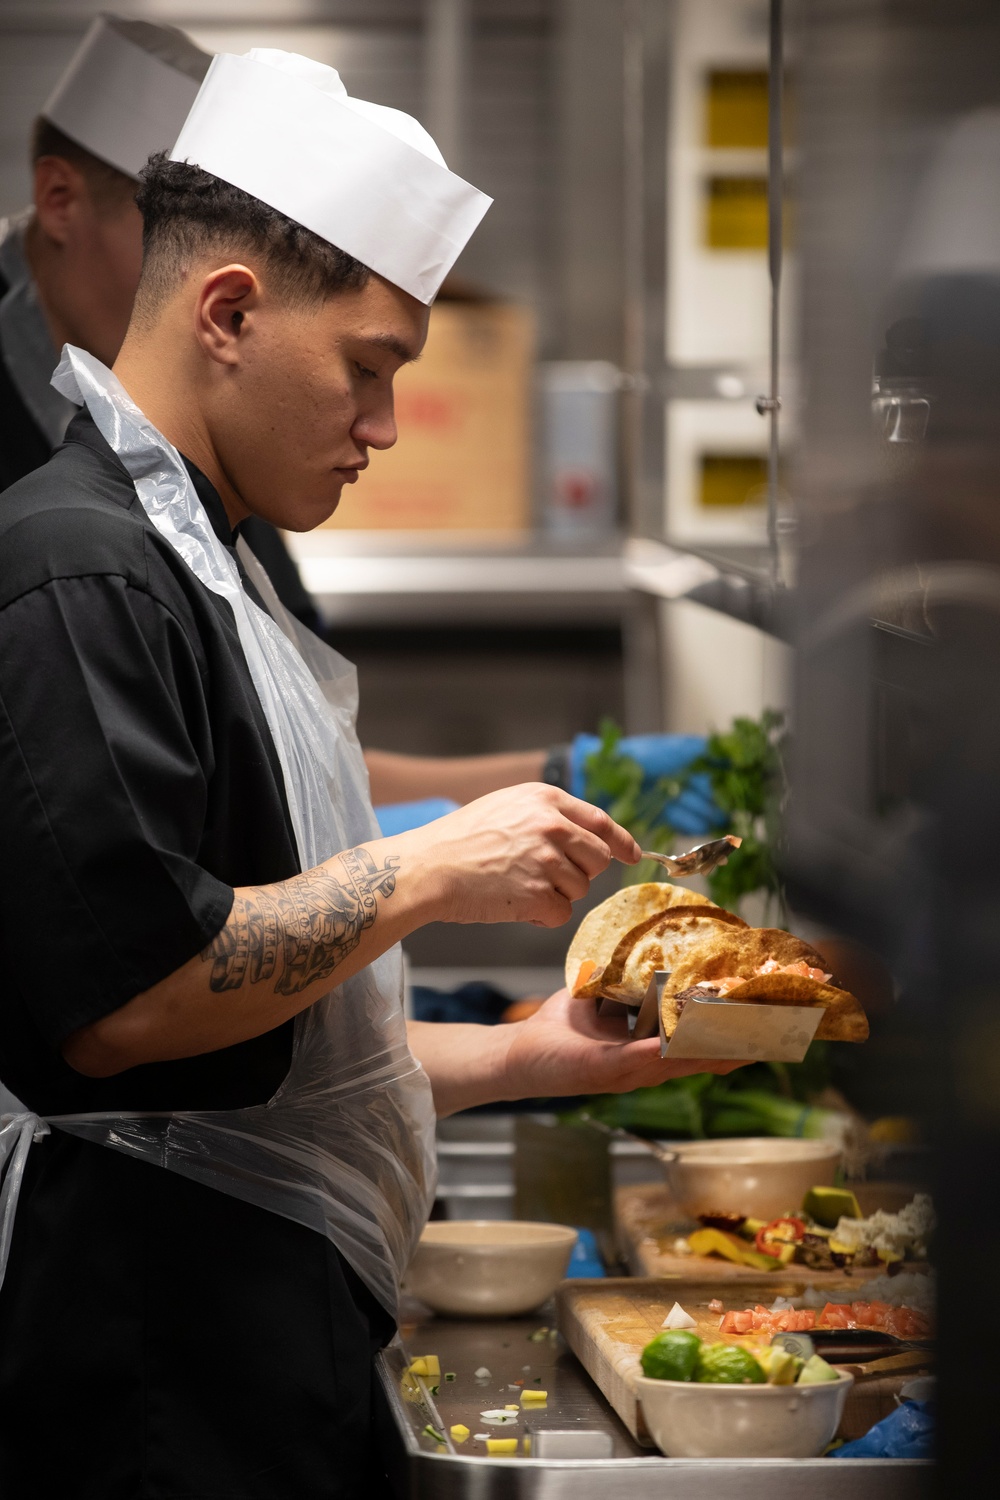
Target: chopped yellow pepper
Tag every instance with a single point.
(459, 1432)
(501, 1447)
(426, 1365)
(532, 1397)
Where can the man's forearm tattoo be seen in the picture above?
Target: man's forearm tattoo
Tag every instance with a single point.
(298, 932)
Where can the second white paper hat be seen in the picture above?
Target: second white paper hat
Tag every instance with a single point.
(365, 178)
(127, 90)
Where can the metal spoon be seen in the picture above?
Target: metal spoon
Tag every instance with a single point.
(662, 1153)
(697, 861)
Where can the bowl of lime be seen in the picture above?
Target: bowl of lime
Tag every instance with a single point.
(702, 1400)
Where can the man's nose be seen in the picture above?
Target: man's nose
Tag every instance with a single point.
(375, 429)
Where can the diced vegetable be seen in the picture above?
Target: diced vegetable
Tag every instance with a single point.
(501, 1447)
(431, 1431)
(426, 1365)
(779, 1238)
(534, 1398)
(815, 1371)
(678, 1318)
(829, 1204)
(716, 1242)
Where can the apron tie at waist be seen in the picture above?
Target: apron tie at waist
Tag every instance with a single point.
(16, 1135)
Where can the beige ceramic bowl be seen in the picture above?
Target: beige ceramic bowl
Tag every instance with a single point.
(760, 1178)
(488, 1268)
(687, 1420)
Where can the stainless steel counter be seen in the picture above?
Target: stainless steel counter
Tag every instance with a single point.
(423, 1469)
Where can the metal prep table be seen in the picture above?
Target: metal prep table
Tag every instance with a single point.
(421, 1469)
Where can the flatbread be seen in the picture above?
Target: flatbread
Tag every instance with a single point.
(734, 955)
(740, 955)
(664, 943)
(604, 928)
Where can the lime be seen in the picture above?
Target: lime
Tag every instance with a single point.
(816, 1371)
(728, 1364)
(671, 1355)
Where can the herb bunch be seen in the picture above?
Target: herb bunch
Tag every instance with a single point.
(745, 770)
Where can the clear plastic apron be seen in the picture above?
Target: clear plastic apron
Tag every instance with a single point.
(346, 1145)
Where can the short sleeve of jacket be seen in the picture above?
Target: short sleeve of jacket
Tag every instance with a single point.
(105, 762)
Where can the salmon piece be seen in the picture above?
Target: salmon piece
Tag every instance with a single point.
(800, 967)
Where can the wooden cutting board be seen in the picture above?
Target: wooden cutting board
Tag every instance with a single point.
(648, 1221)
(608, 1323)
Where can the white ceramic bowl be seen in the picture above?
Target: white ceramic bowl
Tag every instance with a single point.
(688, 1420)
(488, 1268)
(759, 1177)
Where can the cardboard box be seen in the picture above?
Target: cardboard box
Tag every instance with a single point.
(462, 460)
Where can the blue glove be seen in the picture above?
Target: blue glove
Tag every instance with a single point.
(908, 1432)
(694, 811)
(400, 817)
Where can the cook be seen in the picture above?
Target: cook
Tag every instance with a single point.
(68, 272)
(229, 1150)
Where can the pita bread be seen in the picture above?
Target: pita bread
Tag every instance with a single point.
(738, 955)
(604, 928)
(664, 943)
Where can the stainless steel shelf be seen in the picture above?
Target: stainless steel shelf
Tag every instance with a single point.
(441, 578)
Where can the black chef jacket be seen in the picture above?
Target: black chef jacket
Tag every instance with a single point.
(158, 1339)
(24, 447)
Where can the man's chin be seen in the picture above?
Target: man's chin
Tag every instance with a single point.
(308, 514)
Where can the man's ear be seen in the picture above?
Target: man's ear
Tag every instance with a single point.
(60, 192)
(227, 300)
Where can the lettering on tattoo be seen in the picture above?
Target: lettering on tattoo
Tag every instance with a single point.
(298, 932)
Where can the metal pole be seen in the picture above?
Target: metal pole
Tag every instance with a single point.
(446, 39)
(770, 405)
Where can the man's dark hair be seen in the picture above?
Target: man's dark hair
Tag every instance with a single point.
(186, 212)
(109, 188)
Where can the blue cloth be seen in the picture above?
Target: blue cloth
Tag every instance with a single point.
(400, 817)
(908, 1432)
(586, 1258)
(694, 811)
(475, 1002)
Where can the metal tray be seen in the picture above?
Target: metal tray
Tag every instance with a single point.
(725, 1028)
(422, 1470)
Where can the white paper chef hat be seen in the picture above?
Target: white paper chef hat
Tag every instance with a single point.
(127, 90)
(366, 178)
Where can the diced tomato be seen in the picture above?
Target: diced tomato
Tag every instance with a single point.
(737, 1322)
(907, 1323)
(715, 1305)
(801, 1320)
(835, 1315)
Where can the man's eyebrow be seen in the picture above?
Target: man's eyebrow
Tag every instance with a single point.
(403, 352)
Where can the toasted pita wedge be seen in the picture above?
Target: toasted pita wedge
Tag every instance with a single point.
(663, 943)
(603, 929)
(737, 955)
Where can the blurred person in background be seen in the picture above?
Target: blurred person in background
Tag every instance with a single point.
(69, 265)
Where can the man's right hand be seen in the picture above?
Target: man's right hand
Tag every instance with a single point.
(523, 854)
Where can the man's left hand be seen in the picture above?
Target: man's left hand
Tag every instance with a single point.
(567, 1048)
